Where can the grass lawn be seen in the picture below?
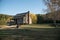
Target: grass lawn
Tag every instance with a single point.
(31, 32)
(37, 26)
(29, 26)
(27, 34)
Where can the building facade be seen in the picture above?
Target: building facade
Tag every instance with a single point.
(23, 18)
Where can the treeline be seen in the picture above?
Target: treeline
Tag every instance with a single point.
(36, 18)
(45, 18)
(4, 18)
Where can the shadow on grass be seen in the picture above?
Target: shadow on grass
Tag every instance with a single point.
(36, 34)
(53, 25)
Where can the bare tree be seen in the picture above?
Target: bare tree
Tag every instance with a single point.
(53, 6)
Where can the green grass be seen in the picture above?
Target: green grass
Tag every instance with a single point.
(31, 26)
(36, 34)
(31, 32)
(37, 26)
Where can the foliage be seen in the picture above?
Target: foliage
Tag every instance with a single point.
(34, 18)
(4, 18)
(39, 18)
(53, 6)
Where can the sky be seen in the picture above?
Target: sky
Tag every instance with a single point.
(13, 7)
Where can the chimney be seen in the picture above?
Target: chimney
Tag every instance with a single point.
(28, 16)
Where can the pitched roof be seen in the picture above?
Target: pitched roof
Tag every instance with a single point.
(21, 14)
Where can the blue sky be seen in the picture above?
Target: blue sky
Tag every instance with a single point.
(13, 7)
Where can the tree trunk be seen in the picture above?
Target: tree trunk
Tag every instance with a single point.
(55, 23)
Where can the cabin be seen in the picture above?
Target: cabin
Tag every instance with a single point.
(23, 18)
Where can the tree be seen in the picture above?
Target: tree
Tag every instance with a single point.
(34, 18)
(53, 6)
(39, 18)
(4, 19)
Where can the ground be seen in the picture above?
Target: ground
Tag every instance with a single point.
(30, 32)
(37, 26)
(28, 26)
